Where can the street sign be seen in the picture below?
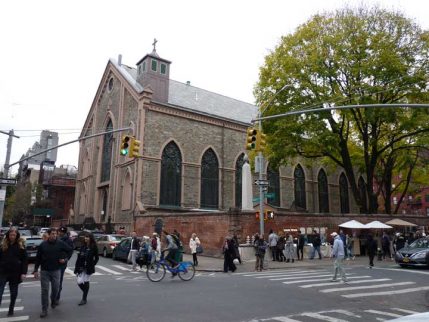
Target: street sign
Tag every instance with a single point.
(261, 182)
(4, 181)
(270, 195)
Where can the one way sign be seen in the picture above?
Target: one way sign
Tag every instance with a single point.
(261, 182)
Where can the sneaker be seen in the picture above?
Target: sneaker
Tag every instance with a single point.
(10, 313)
(334, 280)
(83, 302)
(43, 314)
(54, 305)
(346, 282)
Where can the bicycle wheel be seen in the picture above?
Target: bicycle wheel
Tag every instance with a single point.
(155, 272)
(187, 273)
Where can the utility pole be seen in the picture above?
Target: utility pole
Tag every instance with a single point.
(261, 187)
(6, 172)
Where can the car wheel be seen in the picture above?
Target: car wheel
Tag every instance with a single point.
(104, 252)
(403, 265)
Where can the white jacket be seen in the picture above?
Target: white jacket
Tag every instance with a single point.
(193, 244)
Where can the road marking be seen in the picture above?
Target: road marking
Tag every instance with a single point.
(322, 317)
(15, 318)
(17, 308)
(393, 315)
(291, 274)
(339, 289)
(325, 279)
(108, 270)
(298, 277)
(69, 271)
(250, 274)
(353, 282)
(407, 290)
(8, 301)
(121, 267)
(401, 270)
(281, 319)
(404, 311)
(348, 313)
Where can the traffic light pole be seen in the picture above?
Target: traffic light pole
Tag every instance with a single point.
(261, 188)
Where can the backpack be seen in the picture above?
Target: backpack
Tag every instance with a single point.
(177, 241)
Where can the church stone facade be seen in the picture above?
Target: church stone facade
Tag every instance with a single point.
(192, 148)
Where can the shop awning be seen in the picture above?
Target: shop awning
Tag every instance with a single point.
(400, 222)
(43, 212)
(377, 225)
(353, 224)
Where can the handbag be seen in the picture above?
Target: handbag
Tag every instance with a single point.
(199, 249)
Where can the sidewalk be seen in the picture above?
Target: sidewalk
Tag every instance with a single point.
(213, 264)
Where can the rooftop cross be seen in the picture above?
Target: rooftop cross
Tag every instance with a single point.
(154, 44)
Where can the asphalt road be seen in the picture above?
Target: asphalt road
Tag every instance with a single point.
(287, 295)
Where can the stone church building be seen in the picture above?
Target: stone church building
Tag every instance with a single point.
(189, 174)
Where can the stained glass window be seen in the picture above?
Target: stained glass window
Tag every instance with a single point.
(344, 194)
(273, 177)
(322, 184)
(171, 176)
(209, 180)
(238, 179)
(362, 192)
(299, 177)
(106, 161)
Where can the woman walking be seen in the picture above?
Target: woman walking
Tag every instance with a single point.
(87, 258)
(289, 249)
(13, 265)
(194, 242)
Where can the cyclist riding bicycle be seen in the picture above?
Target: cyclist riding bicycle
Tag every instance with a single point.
(172, 249)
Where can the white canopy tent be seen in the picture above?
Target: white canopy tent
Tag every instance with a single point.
(352, 224)
(377, 225)
(400, 222)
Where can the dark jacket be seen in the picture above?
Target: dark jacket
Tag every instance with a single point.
(301, 241)
(13, 263)
(371, 246)
(49, 255)
(316, 240)
(86, 260)
(135, 243)
(67, 240)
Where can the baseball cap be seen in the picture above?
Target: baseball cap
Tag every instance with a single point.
(334, 234)
(63, 229)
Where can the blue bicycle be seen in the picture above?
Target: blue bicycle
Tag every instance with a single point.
(156, 272)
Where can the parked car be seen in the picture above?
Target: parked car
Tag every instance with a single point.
(32, 245)
(107, 243)
(3, 231)
(43, 230)
(25, 233)
(120, 252)
(416, 254)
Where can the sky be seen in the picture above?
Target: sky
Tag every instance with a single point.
(53, 53)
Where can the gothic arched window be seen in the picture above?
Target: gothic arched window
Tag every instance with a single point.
(273, 177)
(127, 189)
(322, 185)
(344, 194)
(362, 193)
(106, 161)
(171, 176)
(209, 180)
(299, 177)
(238, 179)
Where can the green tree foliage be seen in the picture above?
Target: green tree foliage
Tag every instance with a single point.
(351, 56)
(18, 204)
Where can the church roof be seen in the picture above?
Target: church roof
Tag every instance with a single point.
(196, 99)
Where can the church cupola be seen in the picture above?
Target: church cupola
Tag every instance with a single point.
(154, 71)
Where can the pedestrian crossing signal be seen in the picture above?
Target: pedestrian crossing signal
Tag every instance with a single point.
(257, 215)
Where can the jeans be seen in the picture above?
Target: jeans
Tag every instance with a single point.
(300, 250)
(350, 252)
(259, 265)
(47, 277)
(63, 269)
(338, 269)
(314, 250)
(13, 291)
(132, 257)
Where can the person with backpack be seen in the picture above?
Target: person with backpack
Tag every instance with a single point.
(228, 255)
(178, 241)
(385, 246)
(316, 245)
(154, 247)
(260, 247)
(172, 249)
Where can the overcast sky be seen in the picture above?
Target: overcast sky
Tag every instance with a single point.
(53, 53)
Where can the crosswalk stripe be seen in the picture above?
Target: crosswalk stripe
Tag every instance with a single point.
(384, 313)
(108, 270)
(407, 290)
(17, 308)
(15, 318)
(353, 282)
(291, 274)
(268, 273)
(404, 311)
(299, 277)
(69, 271)
(281, 319)
(339, 289)
(323, 279)
(121, 267)
(323, 317)
(8, 301)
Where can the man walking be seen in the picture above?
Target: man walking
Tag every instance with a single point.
(134, 248)
(300, 245)
(51, 254)
(63, 236)
(338, 254)
(316, 245)
(272, 241)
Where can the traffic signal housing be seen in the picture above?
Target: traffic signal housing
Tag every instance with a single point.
(252, 135)
(261, 141)
(257, 215)
(134, 148)
(125, 144)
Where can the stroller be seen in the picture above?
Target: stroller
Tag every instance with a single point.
(144, 255)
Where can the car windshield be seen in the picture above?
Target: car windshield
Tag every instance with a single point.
(33, 241)
(420, 243)
(24, 232)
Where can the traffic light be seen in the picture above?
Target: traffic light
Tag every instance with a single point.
(252, 134)
(125, 144)
(270, 214)
(257, 215)
(261, 141)
(134, 148)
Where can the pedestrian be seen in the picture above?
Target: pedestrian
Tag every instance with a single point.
(300, 245)
(260, 247)
(338, 254)
(371, 245)
(51, 254)
(63, 236)
(289, 249)
(385, 246)
(134, 248)
(316, 245)
(272, 241)
(281, 246)
(236, 247)
(228, 255)
(13, 265)
(399, 242)
(87, 258)
(194, 242)
(350, 244)
(178, 240)
(172, 250)
(343, 239)
(154, 248)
